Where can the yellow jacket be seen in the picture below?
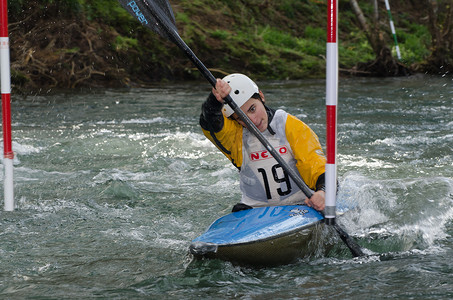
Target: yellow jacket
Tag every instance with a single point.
(310, 161)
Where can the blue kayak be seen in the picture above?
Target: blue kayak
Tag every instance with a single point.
(260, 236)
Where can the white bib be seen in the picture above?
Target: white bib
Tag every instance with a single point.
(263, 180)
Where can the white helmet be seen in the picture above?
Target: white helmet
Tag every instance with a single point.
(242, 89)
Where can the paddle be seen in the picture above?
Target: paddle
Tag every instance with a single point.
(157, 15)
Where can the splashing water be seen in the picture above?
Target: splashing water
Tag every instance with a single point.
(111, 186)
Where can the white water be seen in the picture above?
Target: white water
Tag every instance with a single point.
(111, 186)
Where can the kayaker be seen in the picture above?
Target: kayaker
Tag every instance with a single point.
(263, 181)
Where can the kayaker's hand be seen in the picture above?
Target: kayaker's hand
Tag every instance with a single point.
(221, 90)
(317, 201)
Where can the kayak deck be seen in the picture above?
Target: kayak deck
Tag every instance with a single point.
(261, 236)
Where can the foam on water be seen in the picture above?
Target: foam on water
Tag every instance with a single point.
(400, 215)
(146, 121)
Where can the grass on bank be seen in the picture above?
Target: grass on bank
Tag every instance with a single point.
(270, 39)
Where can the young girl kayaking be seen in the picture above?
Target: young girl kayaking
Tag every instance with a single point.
(263, 181)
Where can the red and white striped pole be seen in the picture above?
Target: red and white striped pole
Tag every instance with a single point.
(331, 111)
(6, 108)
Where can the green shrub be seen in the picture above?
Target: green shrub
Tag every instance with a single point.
(278, 38)
(122, 43)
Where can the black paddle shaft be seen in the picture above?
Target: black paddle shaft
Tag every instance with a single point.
(168, 30)
(156, 15)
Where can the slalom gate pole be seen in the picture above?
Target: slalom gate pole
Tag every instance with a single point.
(331, 111)
(392, 27)
(5, 74)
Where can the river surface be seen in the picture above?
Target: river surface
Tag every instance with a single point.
(112, 185)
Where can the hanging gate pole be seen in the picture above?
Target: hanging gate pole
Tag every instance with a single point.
(6, 108)
(392, 27)
(331, 110)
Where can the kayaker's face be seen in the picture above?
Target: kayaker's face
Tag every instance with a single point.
(256, 112)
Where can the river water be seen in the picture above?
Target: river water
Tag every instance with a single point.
(112, 185)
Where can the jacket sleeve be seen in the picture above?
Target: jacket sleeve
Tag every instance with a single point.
(224, 133)
(311, 161)
(211, 117)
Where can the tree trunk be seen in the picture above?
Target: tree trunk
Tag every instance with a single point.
(373, 39)
(440, 25)
(376, 16)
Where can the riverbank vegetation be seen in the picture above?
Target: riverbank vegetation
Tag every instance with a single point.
(83, 43)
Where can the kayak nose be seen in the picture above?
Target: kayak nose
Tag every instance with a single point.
(199, 249)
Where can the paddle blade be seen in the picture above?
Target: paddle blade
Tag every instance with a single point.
(350, 243)
(156, 15)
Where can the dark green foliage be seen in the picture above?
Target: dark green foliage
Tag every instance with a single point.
(269, 39)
